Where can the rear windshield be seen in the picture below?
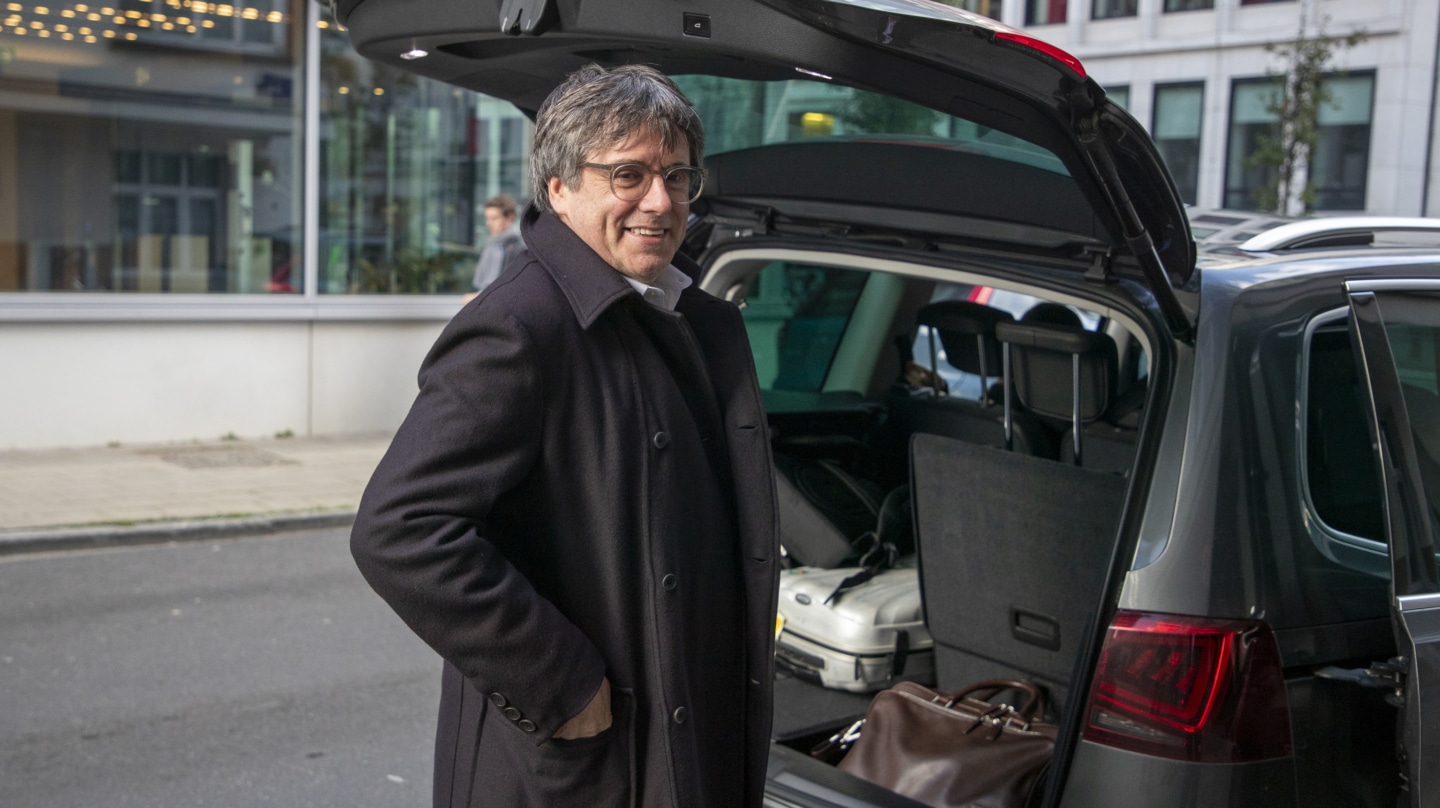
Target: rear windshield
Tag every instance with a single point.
(741, 114)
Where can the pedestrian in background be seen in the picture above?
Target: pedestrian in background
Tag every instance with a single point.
(578, 512)
(505, 241)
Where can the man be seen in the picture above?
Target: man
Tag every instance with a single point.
(505, 241)
(578, 513)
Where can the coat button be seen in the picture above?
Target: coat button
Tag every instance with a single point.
(497, 700)
(680, 715)
(661, 440)
(670, 582)
(512, 713)
(526, 725)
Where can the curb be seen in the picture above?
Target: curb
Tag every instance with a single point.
(17, 542)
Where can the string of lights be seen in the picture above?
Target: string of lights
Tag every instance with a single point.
(91, 23)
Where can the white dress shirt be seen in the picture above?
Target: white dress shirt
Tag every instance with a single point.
(665, 293)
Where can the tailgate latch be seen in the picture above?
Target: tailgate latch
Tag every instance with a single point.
(531, 17)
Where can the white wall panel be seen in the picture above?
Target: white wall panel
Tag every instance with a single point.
(88, 384)
(79, 384)
(364, 376)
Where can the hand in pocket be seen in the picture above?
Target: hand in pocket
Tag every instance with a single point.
(592, 720)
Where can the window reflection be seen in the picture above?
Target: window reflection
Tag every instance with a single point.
(154, 146)
(740, 114)
(1412, 328)
(150, 146)
(406, 165)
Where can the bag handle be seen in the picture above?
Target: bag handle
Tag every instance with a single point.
(1034, 699)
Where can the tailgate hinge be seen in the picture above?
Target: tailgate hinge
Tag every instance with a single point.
(1388, 676)
(1100, 261)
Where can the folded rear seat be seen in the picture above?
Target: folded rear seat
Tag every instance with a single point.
(1013, 552)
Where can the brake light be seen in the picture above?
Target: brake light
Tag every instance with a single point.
(1190, 688)
(1043, 47)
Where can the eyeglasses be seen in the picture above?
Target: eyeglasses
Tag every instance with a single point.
(631, 181)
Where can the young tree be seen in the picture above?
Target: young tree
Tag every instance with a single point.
(1283, 153)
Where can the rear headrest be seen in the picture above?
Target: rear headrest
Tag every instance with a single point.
(1051, 314)
(958, 323)
(1042, 368)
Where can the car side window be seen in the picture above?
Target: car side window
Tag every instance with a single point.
(1340, 469)
(796, 315)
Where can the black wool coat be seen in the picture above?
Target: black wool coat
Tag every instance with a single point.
(583, 488)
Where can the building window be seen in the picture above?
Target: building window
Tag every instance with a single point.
(1249, 119)
(1338, 169)
(170, 166)
(1176, 129)
(1259, 2)
(168, 209)
(1044, 12)
(1109, 9)
(1188, 5)
(1340, 165)
(1120, 95)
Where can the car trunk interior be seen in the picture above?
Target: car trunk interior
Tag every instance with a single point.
(890, 375)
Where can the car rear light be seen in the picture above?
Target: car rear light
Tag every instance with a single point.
(1044, 47)
(1190, 688)
(981, 294)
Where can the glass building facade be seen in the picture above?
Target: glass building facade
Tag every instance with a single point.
(186, 147)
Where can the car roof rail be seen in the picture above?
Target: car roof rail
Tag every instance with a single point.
(1337, 231)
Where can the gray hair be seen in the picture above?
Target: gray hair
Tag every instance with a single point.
(596, 109)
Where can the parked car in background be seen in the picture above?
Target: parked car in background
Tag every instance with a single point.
(1199, 510)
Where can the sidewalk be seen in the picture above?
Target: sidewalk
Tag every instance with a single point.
(65, 498)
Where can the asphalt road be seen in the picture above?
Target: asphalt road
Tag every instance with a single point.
(239, 672)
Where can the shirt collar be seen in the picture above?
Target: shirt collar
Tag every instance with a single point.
(589, 284)
(665, 292)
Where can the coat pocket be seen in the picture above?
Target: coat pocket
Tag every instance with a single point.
(595, 772)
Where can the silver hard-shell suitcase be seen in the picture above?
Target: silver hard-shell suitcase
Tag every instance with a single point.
(865, 638)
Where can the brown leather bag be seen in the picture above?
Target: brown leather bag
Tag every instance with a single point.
(950, 750)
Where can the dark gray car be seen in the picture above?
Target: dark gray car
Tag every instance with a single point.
(1194, 504)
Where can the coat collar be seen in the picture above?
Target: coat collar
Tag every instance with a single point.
(589, 284)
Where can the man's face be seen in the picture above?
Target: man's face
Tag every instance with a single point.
(497, 221)
(637, 238)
